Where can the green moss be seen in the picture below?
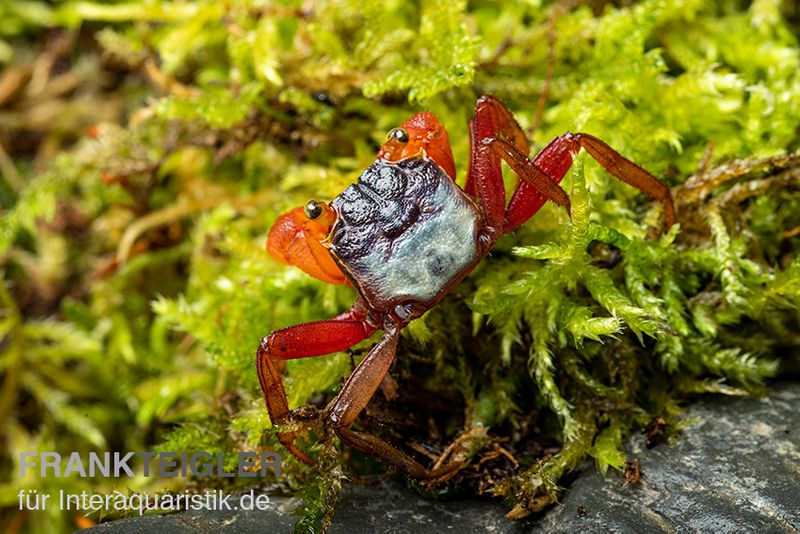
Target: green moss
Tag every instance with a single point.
(136, 285)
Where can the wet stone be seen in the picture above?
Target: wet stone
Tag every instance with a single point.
(736, 469)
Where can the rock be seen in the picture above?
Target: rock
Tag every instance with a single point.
(736, 469)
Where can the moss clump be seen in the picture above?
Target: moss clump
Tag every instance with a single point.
(146, 148)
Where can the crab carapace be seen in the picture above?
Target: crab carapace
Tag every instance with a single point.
(403, 236)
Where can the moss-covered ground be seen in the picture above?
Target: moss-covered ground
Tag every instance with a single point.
(147, 146)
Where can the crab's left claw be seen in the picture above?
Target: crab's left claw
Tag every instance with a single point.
(296, 238)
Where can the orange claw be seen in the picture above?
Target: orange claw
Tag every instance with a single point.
(297, 240)
(424, 132)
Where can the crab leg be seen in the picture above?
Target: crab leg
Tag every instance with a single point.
(553, 162)
(302, 341)
(353, 398)
(530, 173)
(377, 448)
(625, 170)
(365, 380)
(485, 177)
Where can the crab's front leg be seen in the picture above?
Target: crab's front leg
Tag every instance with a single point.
(353, 398)
(301, 341)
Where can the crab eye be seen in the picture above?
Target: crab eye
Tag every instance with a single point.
(399, 135)
(312, 209)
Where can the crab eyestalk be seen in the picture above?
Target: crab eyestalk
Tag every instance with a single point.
(420, 134)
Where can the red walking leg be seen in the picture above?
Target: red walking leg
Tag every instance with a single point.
(627, 171)
(302, 341)
(354, 397)
(531, 175)
(554, 161)
(485, 177)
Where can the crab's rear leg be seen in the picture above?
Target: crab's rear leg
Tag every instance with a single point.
(626, 170)
(554, 161)
(302, 341)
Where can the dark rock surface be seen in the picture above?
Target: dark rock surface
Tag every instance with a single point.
(736, 469)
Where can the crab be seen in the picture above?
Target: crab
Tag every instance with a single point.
(403, 236)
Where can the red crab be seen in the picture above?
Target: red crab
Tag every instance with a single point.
(406, 234)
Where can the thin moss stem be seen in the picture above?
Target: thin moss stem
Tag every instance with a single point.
(14, 357)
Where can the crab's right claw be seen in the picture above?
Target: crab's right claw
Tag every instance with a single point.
(296, 239)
